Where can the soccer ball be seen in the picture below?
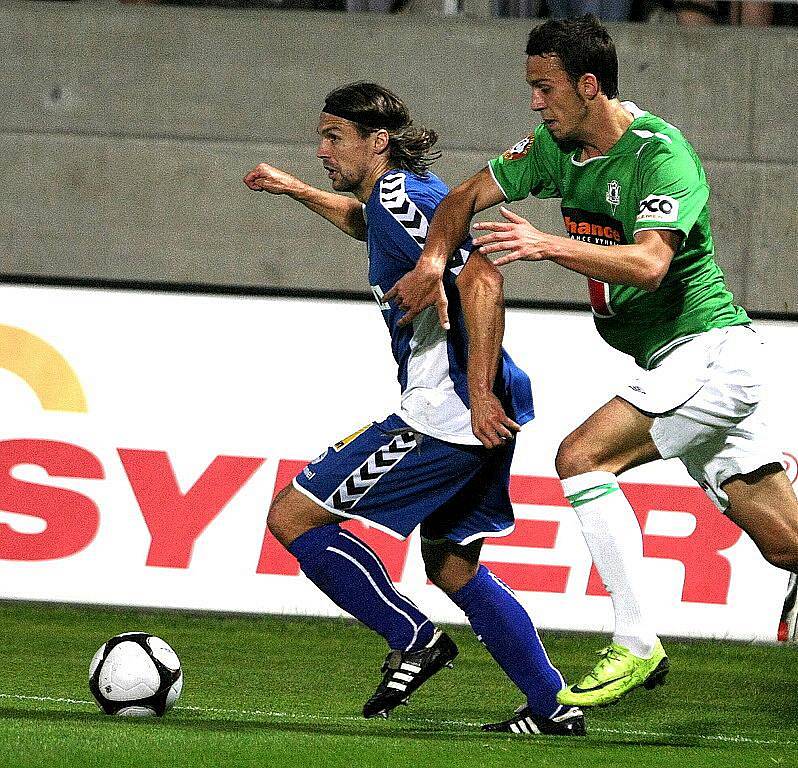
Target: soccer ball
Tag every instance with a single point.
(135, 674)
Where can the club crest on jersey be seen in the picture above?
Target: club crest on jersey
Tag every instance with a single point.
(613, 195)
(521, 149)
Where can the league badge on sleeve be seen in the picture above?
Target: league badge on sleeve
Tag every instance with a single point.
(521, 149)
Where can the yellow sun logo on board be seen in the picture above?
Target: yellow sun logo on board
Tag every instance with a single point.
(43, 368)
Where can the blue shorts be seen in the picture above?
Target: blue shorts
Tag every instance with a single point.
(394, 479)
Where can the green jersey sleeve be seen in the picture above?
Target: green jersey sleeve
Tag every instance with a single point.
(672, 188)
(528, 168)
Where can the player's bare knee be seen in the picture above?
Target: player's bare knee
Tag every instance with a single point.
(447, 572)
(433, 573)
(791, 557)
(574, 457)
(450, 566)
(788, 561)
(282, 519)
(292, 514)
(451, 579)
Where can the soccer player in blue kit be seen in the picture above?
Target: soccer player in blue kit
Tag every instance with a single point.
(442, 460)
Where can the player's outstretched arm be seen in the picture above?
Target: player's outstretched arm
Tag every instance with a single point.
(643, 263)
(345, 212)
(421, 287)
(481, 294)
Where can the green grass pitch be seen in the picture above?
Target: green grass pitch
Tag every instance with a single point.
(287, 692)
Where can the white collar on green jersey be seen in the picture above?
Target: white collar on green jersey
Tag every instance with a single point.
(629, 106)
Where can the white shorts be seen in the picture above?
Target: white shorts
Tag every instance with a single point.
(703, 396)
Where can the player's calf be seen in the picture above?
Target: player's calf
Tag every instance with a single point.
(764, 505)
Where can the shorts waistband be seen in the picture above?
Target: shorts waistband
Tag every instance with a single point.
(657, 357)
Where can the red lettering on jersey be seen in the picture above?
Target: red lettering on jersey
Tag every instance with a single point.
(72, 519)
(175, 519)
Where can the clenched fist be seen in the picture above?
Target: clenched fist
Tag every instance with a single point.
(266, 178)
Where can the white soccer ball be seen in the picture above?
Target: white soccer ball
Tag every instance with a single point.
(135, 674)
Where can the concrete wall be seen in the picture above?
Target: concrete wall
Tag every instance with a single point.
(125, 131)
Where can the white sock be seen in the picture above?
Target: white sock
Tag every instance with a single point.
(615, 541)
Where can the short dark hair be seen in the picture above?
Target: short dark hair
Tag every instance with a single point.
(372, 108)
(582, 45)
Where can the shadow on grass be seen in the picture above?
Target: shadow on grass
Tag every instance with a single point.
(377, 729)
(393, 730)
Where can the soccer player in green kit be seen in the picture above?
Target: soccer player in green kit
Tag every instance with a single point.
(634, 203)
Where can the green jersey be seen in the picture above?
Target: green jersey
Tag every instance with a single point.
(650, 179)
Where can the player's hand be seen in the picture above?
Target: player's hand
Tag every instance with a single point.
(267, 178)
(418, 289)
(516, 236)
(490, 424)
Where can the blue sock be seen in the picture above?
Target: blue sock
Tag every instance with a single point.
(505, 629)
(349, 572)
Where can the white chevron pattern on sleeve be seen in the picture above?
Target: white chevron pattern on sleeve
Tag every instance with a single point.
(395, 200)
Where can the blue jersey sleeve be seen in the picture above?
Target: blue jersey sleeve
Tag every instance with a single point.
(405, 207)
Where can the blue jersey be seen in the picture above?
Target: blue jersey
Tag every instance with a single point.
(432, 361)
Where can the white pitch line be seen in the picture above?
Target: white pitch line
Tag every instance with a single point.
(736, 739)
(57, 700)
